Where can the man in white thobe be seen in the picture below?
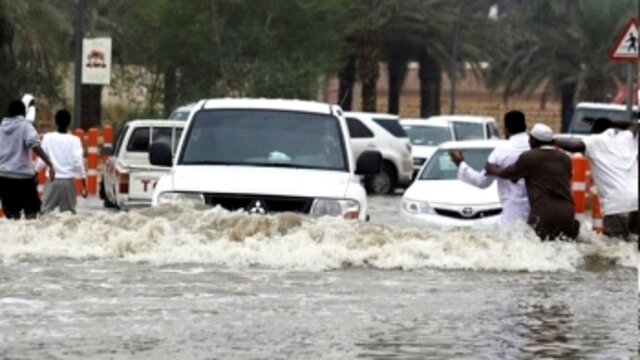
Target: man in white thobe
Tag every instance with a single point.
(513, 195)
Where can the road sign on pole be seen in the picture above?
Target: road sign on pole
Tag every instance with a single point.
(626, 45)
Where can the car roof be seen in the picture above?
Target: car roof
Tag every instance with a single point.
(156, 122)
(471, 144)
(360, 114)
(603, 106)
(268, 104)
(425, 122)
(463, 118)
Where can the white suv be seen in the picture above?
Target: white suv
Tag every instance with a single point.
(382, 132)
(264, 156)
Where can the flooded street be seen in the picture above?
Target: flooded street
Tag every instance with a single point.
(184, 283)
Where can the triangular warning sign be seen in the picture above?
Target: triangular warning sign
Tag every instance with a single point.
(627, 42)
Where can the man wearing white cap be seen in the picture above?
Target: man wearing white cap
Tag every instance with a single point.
(547, 174)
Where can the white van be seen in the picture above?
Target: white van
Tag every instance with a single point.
(264, 156)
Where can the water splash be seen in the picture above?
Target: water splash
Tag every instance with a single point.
(183, 234)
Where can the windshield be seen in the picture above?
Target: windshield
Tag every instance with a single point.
(265, 138)
(468, 131)
(440, 166)
(179, 115)
(427, 135)
(580, 124)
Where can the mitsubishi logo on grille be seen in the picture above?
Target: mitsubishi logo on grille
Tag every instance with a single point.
(257, 207)
(467, 212)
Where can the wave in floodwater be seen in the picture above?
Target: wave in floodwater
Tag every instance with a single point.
(183, 234)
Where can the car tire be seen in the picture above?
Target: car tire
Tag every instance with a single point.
(105, 200)
(382, 183)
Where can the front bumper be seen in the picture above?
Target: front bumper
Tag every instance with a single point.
(436, 220)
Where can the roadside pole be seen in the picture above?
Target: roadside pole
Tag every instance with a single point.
(77, 58)
(631, 67)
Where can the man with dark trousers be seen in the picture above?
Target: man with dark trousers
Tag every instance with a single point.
(18, 181)
(547, 175)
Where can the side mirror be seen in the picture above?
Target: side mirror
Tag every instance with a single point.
(369, 163)
(160, 154)
(106, 151)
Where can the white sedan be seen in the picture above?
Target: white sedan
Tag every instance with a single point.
(438, 198)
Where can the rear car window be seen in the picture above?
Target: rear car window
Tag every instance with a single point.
(468, 131)
(392, 126)
(357, 129)
(139, 140)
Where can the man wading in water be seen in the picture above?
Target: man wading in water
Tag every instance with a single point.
(513, 195)
(547, 175)
(18, 181)
(65, 151)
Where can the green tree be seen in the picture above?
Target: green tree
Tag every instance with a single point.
(562, 47)
(35, 42)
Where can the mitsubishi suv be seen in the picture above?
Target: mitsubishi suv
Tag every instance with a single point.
(264, 156)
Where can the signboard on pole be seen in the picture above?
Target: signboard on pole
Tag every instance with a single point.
(626, 45)
(96, 61)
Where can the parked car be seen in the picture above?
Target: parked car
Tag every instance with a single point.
(468, 127)
(384, 133)
(265, 156)
(181, 112)
(437, 198)
(128, 178)
(586, 112)
(425, 137)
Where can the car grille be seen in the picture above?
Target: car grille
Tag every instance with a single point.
(459, 215)
(259, 203)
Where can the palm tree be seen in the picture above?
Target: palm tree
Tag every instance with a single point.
(562, 47)
(34, 37)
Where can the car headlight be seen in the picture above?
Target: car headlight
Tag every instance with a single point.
(349, 209)
(416, 207)
(180, 197)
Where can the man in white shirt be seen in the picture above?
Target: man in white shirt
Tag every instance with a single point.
(613, 157)
(65, 151)
(513, 195)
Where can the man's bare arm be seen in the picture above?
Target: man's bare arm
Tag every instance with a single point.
(570, 145)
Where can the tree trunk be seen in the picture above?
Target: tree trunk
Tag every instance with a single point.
(368, 63)
(170, 90)
(397, 70)
(347, 80)
(91, 106)
(567, 98)
(430, 74)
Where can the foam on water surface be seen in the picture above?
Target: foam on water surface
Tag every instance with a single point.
(182, 234)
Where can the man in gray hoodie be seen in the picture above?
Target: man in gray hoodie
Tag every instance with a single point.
(18, 181)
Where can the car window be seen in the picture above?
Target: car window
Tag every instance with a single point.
(392, 126)
(584, 117)
(468, 131)
(493, 130)
(427, 135)
(357, 129)
(440, 166)
(179, 115)
(267, 138)
(176, 138)
(139, 140)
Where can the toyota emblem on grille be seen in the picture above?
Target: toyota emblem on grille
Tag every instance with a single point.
(257, 207)
(467, 212)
